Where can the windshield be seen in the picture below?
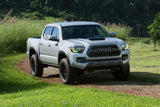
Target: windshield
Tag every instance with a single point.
(83, 31)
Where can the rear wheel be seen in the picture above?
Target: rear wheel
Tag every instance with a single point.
(36, 66)
(123, 73)
(66, 73)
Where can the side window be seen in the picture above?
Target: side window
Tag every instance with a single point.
(55, 32)
(47, 32)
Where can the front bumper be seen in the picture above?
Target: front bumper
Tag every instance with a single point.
(99, 63)
(106, 64)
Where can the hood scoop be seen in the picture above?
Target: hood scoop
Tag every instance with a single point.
(94, 39)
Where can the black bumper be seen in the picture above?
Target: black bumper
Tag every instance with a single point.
(105, 64)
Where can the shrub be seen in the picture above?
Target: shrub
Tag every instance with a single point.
(146, 41)
(32, 15)
(69, 17)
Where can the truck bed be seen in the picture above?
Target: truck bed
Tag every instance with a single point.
(33, 43)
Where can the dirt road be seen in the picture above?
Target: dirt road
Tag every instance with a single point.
(100, 80)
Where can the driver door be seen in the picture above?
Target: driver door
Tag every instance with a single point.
(53, 46)
(49, 48)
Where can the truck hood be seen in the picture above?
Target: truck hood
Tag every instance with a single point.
(88, 42)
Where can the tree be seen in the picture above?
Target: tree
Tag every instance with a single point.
(154, 29)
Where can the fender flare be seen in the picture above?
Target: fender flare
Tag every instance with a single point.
(63, 53)
(31, 48)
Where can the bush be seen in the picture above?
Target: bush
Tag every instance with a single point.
(70, 17)
(147, 41)
(32, 15)
(66, 16)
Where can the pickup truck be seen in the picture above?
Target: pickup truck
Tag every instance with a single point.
(77, 47)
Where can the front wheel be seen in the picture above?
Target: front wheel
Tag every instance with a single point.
(36, 66)
(66, 73)
(123, 73)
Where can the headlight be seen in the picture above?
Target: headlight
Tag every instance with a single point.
(124, 46)
(77, 49)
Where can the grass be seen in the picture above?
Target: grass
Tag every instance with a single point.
(121, 30)
(19, 89)
(144, 61)
(14, 32)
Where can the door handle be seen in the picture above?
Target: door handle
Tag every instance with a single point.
(56, 44)
(41, 44)
(49, 45)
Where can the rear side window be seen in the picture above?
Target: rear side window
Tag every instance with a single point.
(47, 32)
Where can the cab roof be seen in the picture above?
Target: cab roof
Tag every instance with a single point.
(74, 23)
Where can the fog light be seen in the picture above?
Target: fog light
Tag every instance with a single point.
(81, 59)
(125, 56)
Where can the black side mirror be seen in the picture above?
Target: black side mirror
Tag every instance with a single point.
(113, 34)
(54, 38)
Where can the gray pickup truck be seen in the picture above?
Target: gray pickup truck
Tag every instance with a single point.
(76, 47)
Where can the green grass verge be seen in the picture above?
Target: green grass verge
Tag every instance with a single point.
(19, 89)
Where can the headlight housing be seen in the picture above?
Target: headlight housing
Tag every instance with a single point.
(124, 46)
(77, 49)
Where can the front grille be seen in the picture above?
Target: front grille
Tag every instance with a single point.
(103, 51)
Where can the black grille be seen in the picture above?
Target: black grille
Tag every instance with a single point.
(103, 51)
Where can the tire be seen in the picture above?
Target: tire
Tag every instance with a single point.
(123, 73)
(66, 73)
(36, 66)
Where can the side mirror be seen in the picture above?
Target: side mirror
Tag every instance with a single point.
(113, 34)
(54, 38)
(47, 36)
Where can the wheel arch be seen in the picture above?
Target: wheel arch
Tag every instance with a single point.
(32, 51)
(62, 55)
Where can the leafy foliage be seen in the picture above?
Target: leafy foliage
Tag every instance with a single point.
(131, 12)
(154, 29)
(32, 15)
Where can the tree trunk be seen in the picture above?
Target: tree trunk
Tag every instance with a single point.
(155, 44)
